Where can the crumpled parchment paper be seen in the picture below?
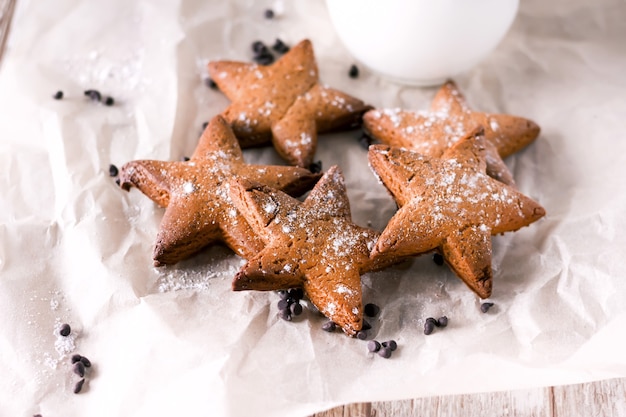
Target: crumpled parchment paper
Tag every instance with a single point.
(176, 341)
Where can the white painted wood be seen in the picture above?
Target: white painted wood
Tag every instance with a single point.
(601, 399)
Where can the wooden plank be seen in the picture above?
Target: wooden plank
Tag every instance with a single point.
(602, 398)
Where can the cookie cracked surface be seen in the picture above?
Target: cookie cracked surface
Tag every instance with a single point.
(284, 103)
(199, 211)
(448, 120)
(451, 205)
(311, 244)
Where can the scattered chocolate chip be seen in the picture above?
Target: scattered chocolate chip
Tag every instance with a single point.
(65, 330)
(86, 362)
(185, 158)
(371, 310)
(442, 321)
(296, 309)
(113, 171)
(353, 72)
(329, 326)
(361, 335)
(79, 386)
(429, 326)
(366, 325)
(431, 320)
(117, 181)
(315, 167)
(37, 415)
(264, 59)
(79, 369)
(204, 125)
(438, 259)
(296, 293)
(280, 47)
(385, 352)
(258, 47)
(269, 14)
(109, 101)
(58, 95)
(285, 314)
(373, 346)
(76, 358)
(93, 95)
(211, 84)
(283, 304)
(391, 344)
(484, 307)
(365, 141)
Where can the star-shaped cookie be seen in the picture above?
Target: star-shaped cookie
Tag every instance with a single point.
(313, 245)
(449, 204)
(450, 119)
(284, 103)
(199, 210)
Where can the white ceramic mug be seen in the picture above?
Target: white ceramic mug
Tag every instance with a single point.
(421, 42)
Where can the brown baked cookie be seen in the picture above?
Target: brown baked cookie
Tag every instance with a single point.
(313, 245)
(450, 119)
(449, 204)
(199, 210)
(284, 103)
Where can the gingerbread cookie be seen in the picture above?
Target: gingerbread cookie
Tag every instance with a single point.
(313, 245)
(199, 211)
(451, 205)
(450, 119)
(284, 103)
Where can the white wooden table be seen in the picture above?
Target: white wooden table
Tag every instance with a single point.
(602, 398)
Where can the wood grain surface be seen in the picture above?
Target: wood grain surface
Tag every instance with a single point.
(603, 399)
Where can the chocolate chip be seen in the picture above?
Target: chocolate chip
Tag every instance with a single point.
(93, 95)
(442, 321)
(391, 344)
(76, 358)
(117, 181)
(269, 14)
(366, 325)
(65, 330)
(109, 101)
(204, 125)
(429, 326)
(79, 369)
(211, 84)
(284, 314)
(385, 352)
(58, 95)
(431, 320)
(315, 167)
(280, 47)
(283, 304)
(361, 335)
(264, 59)
(259, 48)
(353, 72)
(185, 158)
(373, 346)
(113, 171)
(296, 293)
(79, 386)
(438, 259)
(371, 310)
(365, 141)
(329, 326)
(37, 415)
(296, 309)
(484, 307)
(85, 362)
